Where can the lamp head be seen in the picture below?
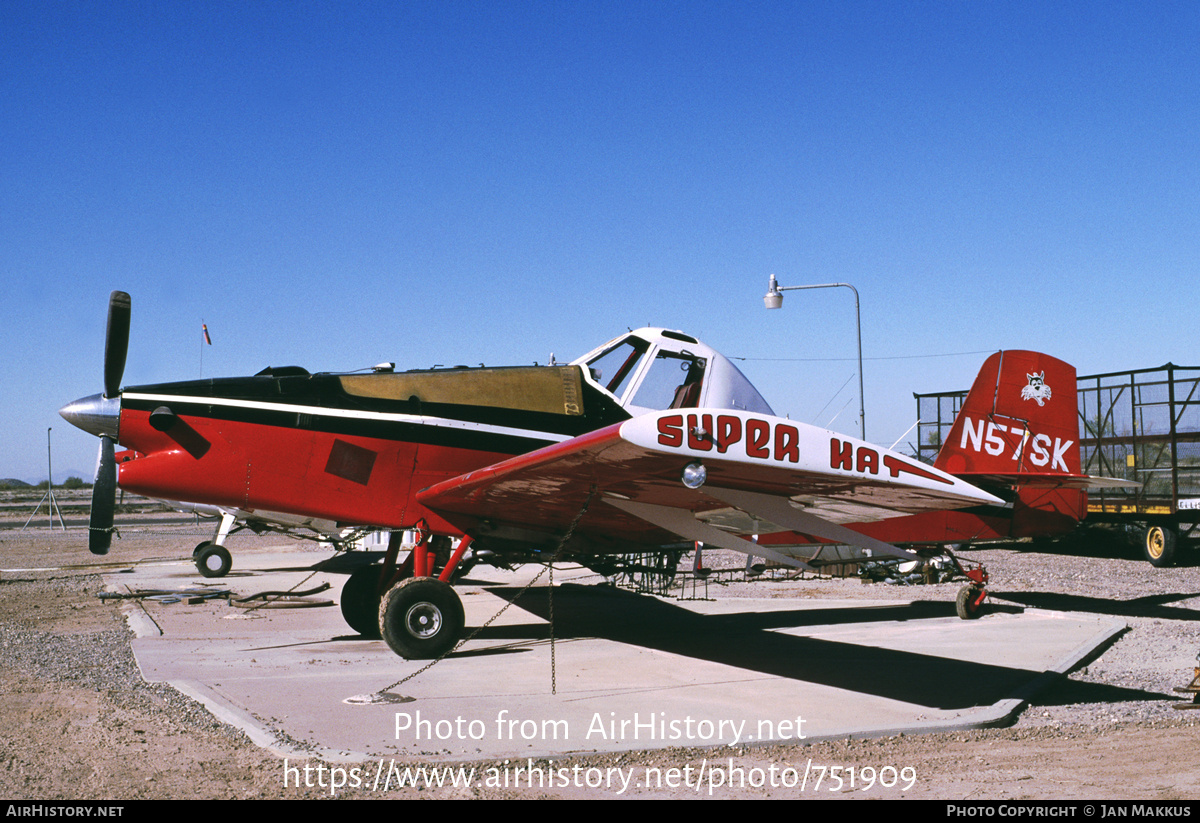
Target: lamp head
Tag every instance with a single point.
(773, 299)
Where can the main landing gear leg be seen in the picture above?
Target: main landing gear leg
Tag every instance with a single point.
(422, 617)
(418, 614)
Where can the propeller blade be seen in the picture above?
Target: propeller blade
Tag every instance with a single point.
(104, 499)
(116, 342)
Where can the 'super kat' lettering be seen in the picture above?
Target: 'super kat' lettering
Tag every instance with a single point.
(778, 441)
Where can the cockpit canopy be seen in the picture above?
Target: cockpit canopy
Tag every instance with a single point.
(655, 369)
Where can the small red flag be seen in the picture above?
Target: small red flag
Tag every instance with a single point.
(207, 339)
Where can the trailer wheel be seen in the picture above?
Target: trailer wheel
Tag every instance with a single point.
(1158, 544)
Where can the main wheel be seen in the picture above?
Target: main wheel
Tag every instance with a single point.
(1158, 545)
(360, 601)
(967, 603)
(214, 561)
(421, 618)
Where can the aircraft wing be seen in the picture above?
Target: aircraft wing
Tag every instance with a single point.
(764, 474)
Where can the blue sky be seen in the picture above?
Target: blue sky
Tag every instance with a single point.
(337, 184)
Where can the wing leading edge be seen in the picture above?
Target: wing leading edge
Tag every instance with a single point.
(764, 474)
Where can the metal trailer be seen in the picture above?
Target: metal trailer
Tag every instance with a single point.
(1141, 425)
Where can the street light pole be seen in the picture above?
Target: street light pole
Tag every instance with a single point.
(774, 300)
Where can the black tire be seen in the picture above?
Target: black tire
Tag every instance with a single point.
(422, 618)
(360, 601)
(214, 561)
(201, 547)
(1158, 545)
(965, 605)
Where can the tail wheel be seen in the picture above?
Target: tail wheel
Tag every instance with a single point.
(213, 561)
(969, 603)
(1158, 545)
(360, 601)
(421, 618)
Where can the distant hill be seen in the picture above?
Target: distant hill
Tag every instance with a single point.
(72, 482)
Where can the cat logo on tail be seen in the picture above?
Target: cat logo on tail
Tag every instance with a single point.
(1037, 388)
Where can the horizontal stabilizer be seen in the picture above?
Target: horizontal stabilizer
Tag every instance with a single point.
(1079, 482)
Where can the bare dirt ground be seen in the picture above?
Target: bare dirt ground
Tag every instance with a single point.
(77, 721)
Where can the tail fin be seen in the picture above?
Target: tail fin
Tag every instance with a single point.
(1019, 427)
(1020, 418)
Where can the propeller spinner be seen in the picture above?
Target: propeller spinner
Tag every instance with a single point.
(100, 415)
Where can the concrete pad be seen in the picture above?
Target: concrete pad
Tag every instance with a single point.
(626, 671)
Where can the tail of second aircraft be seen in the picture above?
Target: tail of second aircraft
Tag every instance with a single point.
(1019, 428)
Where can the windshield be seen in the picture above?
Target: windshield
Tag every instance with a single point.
(615, 367)
(672, 382)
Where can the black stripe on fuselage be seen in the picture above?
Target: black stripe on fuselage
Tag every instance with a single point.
(317, 403)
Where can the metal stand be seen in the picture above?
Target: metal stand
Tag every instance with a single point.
(48, 497)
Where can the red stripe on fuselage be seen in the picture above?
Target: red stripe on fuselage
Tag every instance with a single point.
(275, 468)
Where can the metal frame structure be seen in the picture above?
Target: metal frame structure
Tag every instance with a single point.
(1143, 425)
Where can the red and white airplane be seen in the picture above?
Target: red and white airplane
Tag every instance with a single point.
(649, 442)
